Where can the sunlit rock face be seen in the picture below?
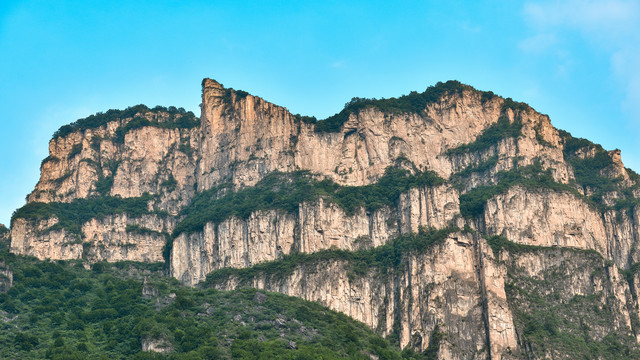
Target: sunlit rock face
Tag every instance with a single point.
(534, 216)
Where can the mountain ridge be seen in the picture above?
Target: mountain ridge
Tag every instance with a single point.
(248, 183)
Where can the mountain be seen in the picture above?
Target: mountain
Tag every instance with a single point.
(452, 214)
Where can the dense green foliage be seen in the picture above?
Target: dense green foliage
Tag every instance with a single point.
(59, 310)
(72, 215)
(590, 172)
(501, 129)
(533, 176)
(179, 118)
(170, 183)
(552, 325)
(413, 103)
(285, 191)
(499, 243)
(509, 103)
(75, 150)
(483, 166)
(385, 259)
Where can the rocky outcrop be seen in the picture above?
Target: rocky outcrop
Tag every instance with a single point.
(241, 138)
(159, 345)
(545, 217)
(148, 159)
(438, 291)
(268, 235)
(246, 138)
(113, 238)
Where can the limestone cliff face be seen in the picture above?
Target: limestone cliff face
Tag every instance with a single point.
(246, 138)
(268, 235)
(136, 162)
(442, 291)
(113, 238)
(547, 218)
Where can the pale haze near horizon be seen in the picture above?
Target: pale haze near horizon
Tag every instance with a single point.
(576, 61)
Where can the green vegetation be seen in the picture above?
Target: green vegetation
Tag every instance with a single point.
(59, 310)
(502, 129)
(228, 94)
(385, 259)
(179, 118)
(47, 159)
(135, 228)
(532, 176)
(186, 121)
(186, 149)
(75, 150)
(67, 174)
(483, 166)
(285, 191)
(499, 243)
(413, 103)
(170, 183)
(588, 171)
(589, 175)
(95, 142)
(72, 215)
(554, 323)
(104, 184)
(509, 103)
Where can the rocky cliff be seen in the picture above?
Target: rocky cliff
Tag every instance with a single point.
(446, 219)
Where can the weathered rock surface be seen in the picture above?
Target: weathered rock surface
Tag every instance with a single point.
(113, 238)
(443, 290)
(257, 138)
(472, 300)
(268, 235)
(574, 295)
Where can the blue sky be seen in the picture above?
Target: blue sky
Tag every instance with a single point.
(577, 61)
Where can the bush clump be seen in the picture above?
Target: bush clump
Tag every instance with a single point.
(179, 117)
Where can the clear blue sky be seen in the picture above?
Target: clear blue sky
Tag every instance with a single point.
(578, 61)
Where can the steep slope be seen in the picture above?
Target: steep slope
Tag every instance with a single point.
(130, 311)
(421, 187)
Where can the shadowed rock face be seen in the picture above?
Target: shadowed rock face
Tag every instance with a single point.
(534, 203)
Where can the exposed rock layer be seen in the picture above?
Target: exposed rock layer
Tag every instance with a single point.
(458, 287)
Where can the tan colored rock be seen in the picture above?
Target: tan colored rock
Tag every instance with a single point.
(438, 289)
(545, 217)
(457, 288)
(101, 240)
(321, 225)
(160, 345)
